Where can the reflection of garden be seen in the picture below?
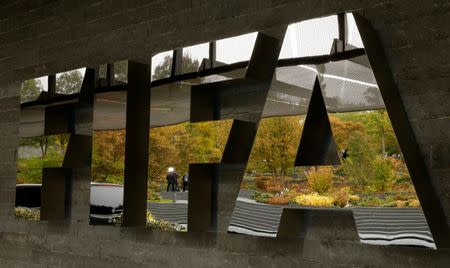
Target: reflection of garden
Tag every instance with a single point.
(374, 174)
(328, 187)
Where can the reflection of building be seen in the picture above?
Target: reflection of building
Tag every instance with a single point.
(42, 39)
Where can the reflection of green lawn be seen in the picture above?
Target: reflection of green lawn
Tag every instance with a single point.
(164, 201)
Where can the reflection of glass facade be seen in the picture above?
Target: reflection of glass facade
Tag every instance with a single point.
(347, 85)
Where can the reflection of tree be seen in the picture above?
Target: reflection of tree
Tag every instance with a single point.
(189, 64)
(164, 69)
(380, 127)
(275, 146)
(108, 155)
(30, 90)
(69, 82)
(121, 70)
(41, 142)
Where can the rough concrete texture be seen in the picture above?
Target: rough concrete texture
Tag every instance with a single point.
(314, 224)
(40, 37)
(74, 245)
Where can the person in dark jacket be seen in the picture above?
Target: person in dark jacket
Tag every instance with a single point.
(185, 181)
(172, 179)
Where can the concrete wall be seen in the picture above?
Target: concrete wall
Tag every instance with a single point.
(39, 37)
(26, 244)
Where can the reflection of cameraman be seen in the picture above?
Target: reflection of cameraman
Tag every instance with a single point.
(185, 181)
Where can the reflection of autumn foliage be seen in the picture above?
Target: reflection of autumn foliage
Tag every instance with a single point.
(374, 164)
(343, 130)
(269, 184)
(278, 200)
(366, 170)
(341, 197)
(108, 156)
(175, 146)
(276, 145)
(314, 199)
(399, 168)
(382, 174)
(320, 179)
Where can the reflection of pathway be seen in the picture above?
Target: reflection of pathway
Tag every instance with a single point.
(380, 226)
(393, 226)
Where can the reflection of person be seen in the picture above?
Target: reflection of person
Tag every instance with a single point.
(185, 181)
(344, 153)
(172, 179)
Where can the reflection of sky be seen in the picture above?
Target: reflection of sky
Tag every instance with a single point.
(310, 38)
(235, 49)
(353, 34)
(307, 38)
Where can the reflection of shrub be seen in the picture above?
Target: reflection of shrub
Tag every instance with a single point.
(248, 184)
(260, 197)
(414, 203)
(353, 199)
(274, 187)
(267, 184)
(407, 203)
(32, 214)
(290, 194)
(314, 199)
(260, 183)
(341, 197)
(400, 203)
(373, 201)
(320, 179)
(153, 223)
(160, 224)
(155, 196)
(278, 200)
